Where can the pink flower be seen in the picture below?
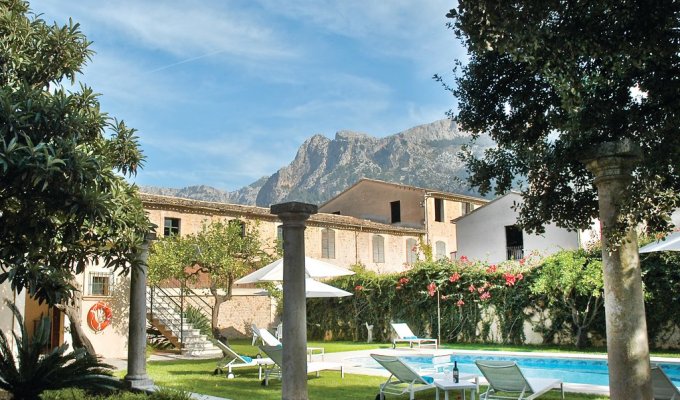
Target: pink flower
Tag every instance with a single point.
(522, 261)
(519, 276)
(445, 297)
(455, 277)
(431, 288)
(403, 280)
(472, 288)
(463, 259)
(460, 303)
(509, 279)
(480, 289)
(492, 268)
(485, 296)
(358, 288)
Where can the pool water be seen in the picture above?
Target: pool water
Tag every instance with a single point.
(569, 370)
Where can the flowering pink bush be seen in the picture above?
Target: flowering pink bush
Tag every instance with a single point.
(455, 277)
(431, 289)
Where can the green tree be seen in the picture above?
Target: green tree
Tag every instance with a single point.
(222, 250)
(64, 200)
(548, 80)
(572, 279)
(554, 81)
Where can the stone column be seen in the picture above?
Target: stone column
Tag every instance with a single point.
(294, 379)
(627, 343)
(136, 377)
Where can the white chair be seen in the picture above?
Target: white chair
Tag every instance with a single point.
(276, 354)
(403, 378)
(506, 377)
(233, 360)
(662, 386)
(405, 334)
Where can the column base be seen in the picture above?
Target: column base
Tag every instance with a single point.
(140, 382)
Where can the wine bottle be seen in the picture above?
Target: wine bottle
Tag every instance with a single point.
(455, 371)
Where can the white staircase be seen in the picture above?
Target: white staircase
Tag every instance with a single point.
(166, 318)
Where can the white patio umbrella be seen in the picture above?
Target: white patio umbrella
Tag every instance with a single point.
(670, 243)
(313, 269)
(317, 289)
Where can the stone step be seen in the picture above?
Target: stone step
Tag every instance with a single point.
(203, 353)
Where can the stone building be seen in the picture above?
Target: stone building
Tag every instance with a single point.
(373, 223)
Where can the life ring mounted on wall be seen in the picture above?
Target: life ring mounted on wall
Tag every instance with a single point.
(99, 316)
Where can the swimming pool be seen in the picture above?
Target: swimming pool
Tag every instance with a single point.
(569, 370)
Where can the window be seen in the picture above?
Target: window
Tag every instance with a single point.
(378, 249)
(279, 233)
(514, 242)
(395, 210)
(466, 207)
(327, 243)
(440, 250)
(241, 225)
(439, 210)
(411, 251)
(171, 226)
(100, 283)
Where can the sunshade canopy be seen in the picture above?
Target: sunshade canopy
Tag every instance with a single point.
(670, 243)
(313, 269)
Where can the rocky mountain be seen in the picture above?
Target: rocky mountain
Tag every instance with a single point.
(424, 156)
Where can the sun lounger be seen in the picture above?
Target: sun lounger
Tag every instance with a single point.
(233, 360)
(269, 340)
(276, 354)
(403, 378)
(506, 377)
(663, 387)
(405, 334)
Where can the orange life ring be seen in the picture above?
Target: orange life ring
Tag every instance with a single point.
(99, 316)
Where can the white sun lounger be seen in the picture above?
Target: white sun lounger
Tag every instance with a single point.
(233, 360)
(403, 378)
(269, 340)
(405, 334)
(663, 387)
(276, 354)
(506, 377)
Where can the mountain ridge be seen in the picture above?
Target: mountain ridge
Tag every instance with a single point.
(424, 156)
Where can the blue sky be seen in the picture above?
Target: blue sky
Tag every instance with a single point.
(225, 92)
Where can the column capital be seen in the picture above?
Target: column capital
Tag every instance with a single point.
(293, 212)
(612, 160)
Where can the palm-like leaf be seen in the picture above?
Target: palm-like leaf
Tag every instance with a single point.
(31, 372)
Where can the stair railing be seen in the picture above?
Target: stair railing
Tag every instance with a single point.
(156, 295)
(187, 297)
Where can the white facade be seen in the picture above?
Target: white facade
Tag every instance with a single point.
(481, 235)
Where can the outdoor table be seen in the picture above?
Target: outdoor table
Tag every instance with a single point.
(447, 384)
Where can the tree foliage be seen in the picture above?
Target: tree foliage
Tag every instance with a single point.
(64, 200)
(572, 280)
(548, 80)
(222, 250)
